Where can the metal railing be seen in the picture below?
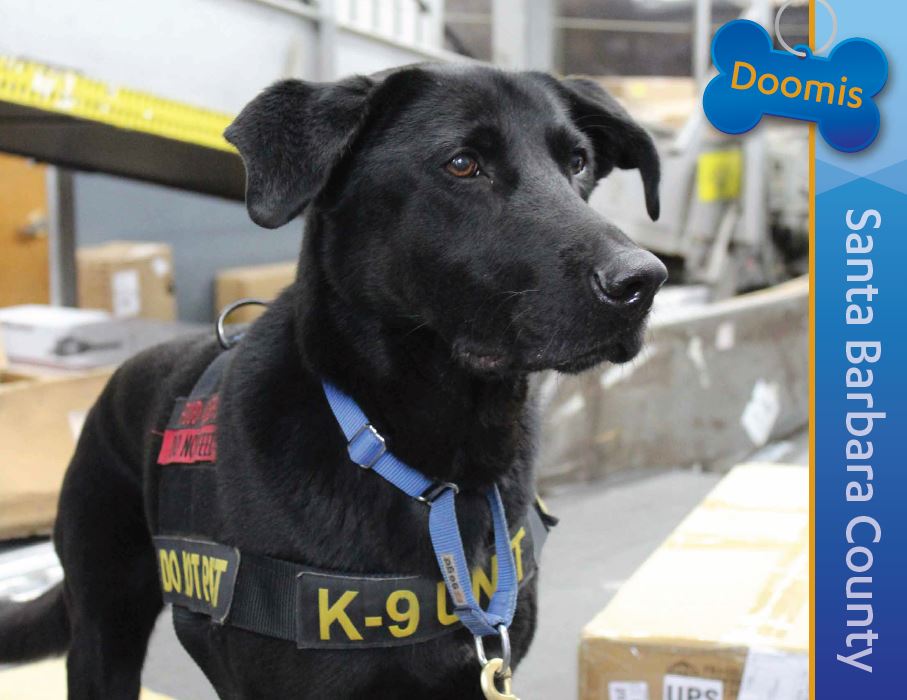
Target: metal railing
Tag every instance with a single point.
(598, 24)
(414, 22)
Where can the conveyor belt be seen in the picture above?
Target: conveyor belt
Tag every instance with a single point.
(61, 117)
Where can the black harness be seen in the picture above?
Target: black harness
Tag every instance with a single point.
(314, 608)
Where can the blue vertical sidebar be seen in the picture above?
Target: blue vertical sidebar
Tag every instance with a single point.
(861, 585)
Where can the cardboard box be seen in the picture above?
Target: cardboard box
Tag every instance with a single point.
(721, 610)
(127, 278)
(40, 420)
(255, 281)
(54, 337)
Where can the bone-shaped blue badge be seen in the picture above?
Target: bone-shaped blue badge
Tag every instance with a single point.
(835, 92)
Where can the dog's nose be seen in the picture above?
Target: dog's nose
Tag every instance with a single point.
(630, 280)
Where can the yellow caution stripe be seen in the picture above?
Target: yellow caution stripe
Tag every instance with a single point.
(63, 91)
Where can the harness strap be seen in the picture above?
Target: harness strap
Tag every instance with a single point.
(265, 599)
(187, 502)
(320, 609)
(367, 448)
(448, 545)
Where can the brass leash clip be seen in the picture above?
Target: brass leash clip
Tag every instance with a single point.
(491, 671)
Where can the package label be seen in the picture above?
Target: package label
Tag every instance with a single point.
(770, 675)
(628, 690)
(125, 290)
(160, 266)
(692, 688)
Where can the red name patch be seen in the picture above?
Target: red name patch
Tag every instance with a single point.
(199, 412)
(189, 445)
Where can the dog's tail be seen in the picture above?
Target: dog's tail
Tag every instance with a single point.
(34, 629)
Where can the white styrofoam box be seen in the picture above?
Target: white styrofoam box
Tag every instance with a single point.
(37, 334)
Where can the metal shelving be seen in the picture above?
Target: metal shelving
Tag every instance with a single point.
(67, 119)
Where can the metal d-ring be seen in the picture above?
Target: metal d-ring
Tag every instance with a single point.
(225, 342)
(802, 54)
(505, 650)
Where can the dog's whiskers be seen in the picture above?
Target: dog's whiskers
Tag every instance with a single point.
(413, 330)
(508, 295)
(514, 318)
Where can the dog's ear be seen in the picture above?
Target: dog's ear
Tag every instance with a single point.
(290, 138)
(618, 140)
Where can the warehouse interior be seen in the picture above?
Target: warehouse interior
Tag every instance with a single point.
(680, 479)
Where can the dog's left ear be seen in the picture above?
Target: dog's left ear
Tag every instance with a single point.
(291, 138)
(618, 140)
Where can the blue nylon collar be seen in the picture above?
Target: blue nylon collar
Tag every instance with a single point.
(366, 448)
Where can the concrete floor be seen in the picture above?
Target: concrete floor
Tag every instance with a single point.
(607, 530)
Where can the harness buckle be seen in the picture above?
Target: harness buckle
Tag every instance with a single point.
(431, 494)
(366, 453)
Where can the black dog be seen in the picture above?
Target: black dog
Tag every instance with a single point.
(448, 252)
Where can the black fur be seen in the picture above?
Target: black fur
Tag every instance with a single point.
(428, 298)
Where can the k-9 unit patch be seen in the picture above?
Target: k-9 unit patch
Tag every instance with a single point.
(835, 92)
(336, 611)
(197, 575)
(343, 612)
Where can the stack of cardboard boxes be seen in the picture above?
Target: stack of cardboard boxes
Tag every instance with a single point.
(721, 610)
(41, 416)
(57, 361)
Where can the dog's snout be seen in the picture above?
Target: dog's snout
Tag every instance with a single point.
(630, 280)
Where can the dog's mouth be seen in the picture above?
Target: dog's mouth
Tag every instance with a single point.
(484, 362)
(617, 352)
(622, 348)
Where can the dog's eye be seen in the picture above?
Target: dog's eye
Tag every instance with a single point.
(577, 162)
(462, 166)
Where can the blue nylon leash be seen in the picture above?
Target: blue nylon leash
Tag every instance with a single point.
(366, 448)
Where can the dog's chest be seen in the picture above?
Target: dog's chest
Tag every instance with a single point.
(263, 466)
(278, 483)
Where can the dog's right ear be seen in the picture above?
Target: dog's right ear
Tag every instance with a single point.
(290, 138)
(618, 139)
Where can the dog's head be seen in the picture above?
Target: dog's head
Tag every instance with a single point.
(454, 198)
